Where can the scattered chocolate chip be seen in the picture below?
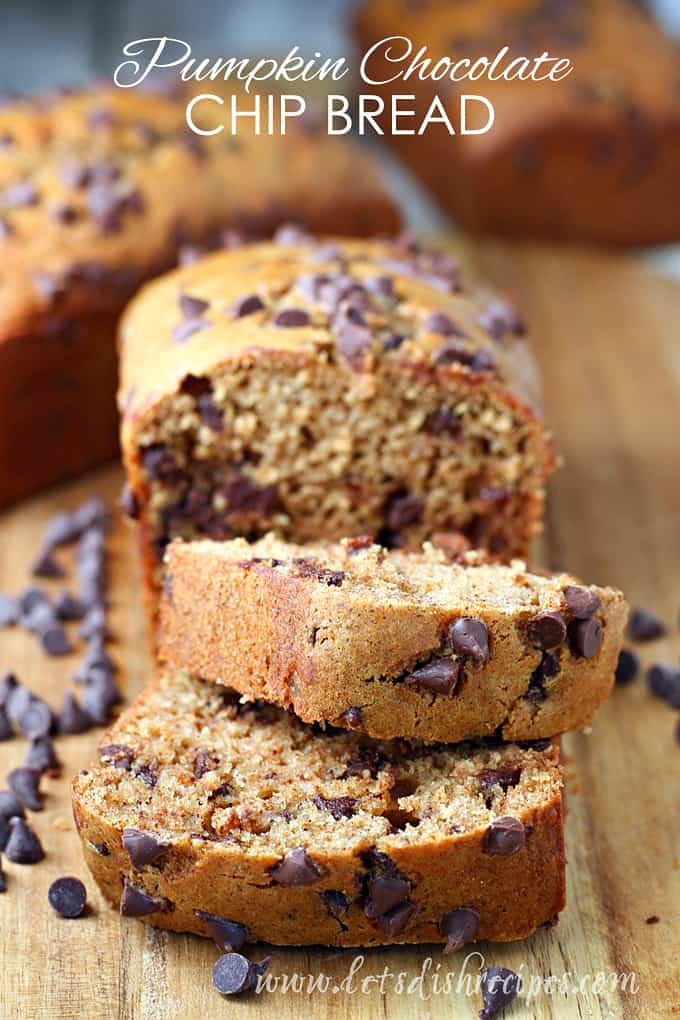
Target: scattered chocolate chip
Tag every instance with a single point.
(100, 695)
(192, 307)
(339, 807)
(654, 919)
(8, 686)
(664, 682)
(296, 868)
(234, 974)
(439, 676)
(6, 730)
(4, 832)
(627, 667)
(67, 896)
(36, 720)
(336, 902)
(143, 847)
(3, 881)
(581, 602)
(68, 607)
(291, 318)
(25, 783)
(30, 598)
(129, 503)
(354, 716)
(17, 701)
(460, 926)
(644, 626)
(585, 637)
(245, 305)
(547, 630)
(46, 566)
(9, 610)
(505, 836)
(500, 985)
(94, 625)
(229, 936)
(469, 636)
(438, 322)
(54, 641)
(42, 756)
(21, 194)
(10, 805)
(136, 902)
(23, 846)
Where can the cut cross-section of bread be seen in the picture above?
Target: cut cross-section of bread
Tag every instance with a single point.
(320, 390)
(200, 806)
(391, 643)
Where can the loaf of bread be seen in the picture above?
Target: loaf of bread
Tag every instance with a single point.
(594, 157)
(98, 192)
(328, 389)
(392, 644)
(201, 806)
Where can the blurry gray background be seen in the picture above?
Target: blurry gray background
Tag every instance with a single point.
(45, 43)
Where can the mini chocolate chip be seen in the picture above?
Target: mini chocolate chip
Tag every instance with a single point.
(135, 902)
(129, 503)
(469, 636)
(460, 926)
(585, 637)
(505, 777)
(438, 322)
(42, 756)
(505, 836)
(627, 666)
(296, 868)
(234, 974)
(443, 422)
(439, 676)
(187, 328)
(581, 602)
(500, 986)
(245, 305)
(354, 716)
(382, 285)
(396, 919)
(67, 896)
(46, 566)
(64, 214)
(143, 847)
(36, 720)
(10, 805)
(75, 174)
(336, 902)
(547, 630)
(644, 626)
(229, 936)
(6, 730)
(385, 892)
(291, 318)
(9, 610)
(339, 807)
(24, 783)
(499, 318)
(23, 846)
(72, 718)
(664, 682)
(192, 307)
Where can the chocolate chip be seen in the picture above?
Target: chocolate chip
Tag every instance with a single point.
(354, 716)
(8, 686)
(296, 868)
(439, 676)
(352, 339)
(210, 413)
(6, 228)
(460, 926)
(64, 214)
(42, 756)
(72, 718)
(100, 848)
(443, 422)
(9, 610)
(627, 666)
(30, 598)
(505, 777)
(229, 936)
(136, 902)
(396, 919)
(68, 607)
(99, 697)
(3, 881)
(46, 566)
(129, 503)
(187, 328)
(644, 626)
(585, 637)
(75, 174)
(581, 602)
(6, 730)
(500, 985)
(242, 493)
(21, 194)
(24, 783)
(245, 305)
(469, 636)
(10, 805)
(664, 682)
(291, 318)
(23, 846)
(549, 666)
(499, 318)
(36, 720)
(143, 847)
(385, 892)
(234, 974)
(336, 902)
(94, 625)
(438, 322)
(192, 307)
(67, 896)
(339, 807)
(17, 701)
(547, 630)
(382, 285)
(505, 836)
(403, 510)
(54, 641)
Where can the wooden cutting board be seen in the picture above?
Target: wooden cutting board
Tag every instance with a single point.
(607, 334)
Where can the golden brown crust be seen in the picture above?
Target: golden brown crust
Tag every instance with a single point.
(335, 632)
(590, 158)
(98, 191)
(267, 785)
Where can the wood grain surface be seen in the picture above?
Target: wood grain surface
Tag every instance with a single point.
(606, 334)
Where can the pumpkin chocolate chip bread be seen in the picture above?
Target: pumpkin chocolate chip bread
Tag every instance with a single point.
(593, 157)
(322, 389)
(99, 191)
(203, 814)
(393, 644)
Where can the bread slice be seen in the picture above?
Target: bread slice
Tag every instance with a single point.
(201, 804)
(394, 644)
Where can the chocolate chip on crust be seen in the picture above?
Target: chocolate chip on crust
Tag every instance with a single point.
(143, 847)
(229, 936)
(547, 630)
(460, 926)
(439, 676)
(67, 896)
(135, 902)
(581, 602)
(23, 846)
(585, 637)
(296, 868)
(469, 636)
(505, 836)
